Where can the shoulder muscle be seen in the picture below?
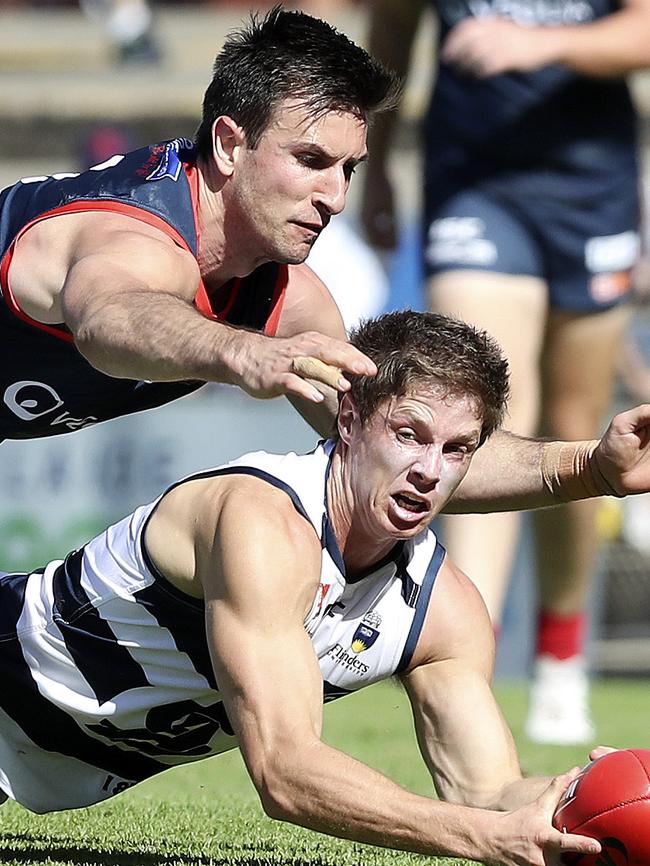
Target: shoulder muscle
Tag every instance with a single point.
(309, 306)
(457, 624)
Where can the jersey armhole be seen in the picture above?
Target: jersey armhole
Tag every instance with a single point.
(277, 302)
(421, 607)
(80, 206)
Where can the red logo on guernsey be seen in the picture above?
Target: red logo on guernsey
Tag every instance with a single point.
(152, 161)
(323, 589)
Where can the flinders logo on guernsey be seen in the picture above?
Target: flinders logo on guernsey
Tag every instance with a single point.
(367, 632)
(365, 635)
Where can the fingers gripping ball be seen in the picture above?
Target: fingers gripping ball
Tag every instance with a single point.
(610, 801)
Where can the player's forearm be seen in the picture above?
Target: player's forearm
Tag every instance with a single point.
(505, 474)
(609, 47)
(519, 793)
(160, 338)
(512, 473)
(327, 791)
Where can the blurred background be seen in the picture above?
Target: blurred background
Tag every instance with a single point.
(82, 81)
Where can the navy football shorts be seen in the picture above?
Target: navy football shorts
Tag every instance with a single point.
(585, 253)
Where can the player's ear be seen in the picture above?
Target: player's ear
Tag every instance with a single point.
(227, 139)
(348, 415)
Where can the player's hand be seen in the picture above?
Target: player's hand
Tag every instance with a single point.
(378, 210)
(270, 366)
(491, 46)
(622, 457)
(526, 837)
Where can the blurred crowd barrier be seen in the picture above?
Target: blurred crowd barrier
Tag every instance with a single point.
(59, 492)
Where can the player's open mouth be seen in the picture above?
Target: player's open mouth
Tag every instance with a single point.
(411, 503)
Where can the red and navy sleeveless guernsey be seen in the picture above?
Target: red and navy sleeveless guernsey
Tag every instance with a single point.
(47, 387)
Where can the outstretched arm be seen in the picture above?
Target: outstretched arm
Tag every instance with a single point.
(257, 596)
(309, 306)
(461, 731)
(511, 473)
(128, 300)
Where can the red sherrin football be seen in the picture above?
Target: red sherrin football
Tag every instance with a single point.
(610, 801)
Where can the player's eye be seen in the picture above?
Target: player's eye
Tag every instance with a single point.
(406, 434)
(459, 448)
(311, 160)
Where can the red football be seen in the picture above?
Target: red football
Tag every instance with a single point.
(610, 801)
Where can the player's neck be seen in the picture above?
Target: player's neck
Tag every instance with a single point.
(218, 260)
(359, 548)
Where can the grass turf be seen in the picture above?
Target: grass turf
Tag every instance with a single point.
(207, 814)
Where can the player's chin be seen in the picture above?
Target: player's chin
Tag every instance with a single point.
(294, 255)
(294, 248)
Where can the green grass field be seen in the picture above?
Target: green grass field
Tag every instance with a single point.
(209, 814)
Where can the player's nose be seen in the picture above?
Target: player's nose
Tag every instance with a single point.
(428, 465)
(332, 190)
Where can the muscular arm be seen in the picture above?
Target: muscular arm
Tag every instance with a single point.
(462, 734)
(505, 475)
(128, 296)
(614, 45)
(256, 598)
(511, 473)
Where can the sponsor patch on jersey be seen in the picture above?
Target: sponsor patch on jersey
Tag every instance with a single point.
(169, 164)
(322, 591)
(347, 660)
(366, 633)
(31, 401)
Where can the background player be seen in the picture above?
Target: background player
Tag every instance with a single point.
(530, 231)
(166, 639)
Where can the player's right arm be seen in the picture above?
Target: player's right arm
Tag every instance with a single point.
(126, 292)
(393, 25)
(259, 563)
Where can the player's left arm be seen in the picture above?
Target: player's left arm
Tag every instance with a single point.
(463, 736)
(510, 472)
(612, 46)
(309, 306)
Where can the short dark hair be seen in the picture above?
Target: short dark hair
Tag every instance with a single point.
(412, 349)
(290, 55)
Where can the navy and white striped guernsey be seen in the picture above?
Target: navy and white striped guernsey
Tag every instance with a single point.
(105, 666)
